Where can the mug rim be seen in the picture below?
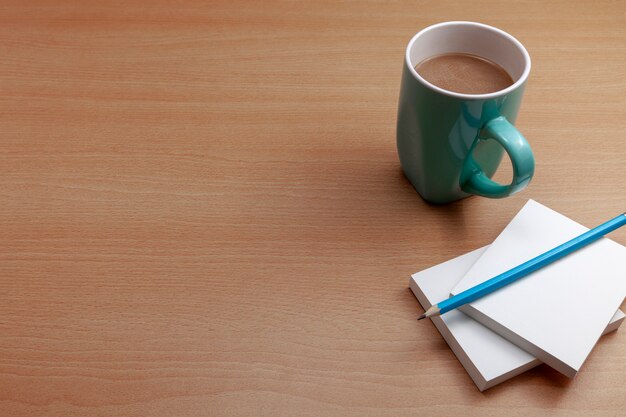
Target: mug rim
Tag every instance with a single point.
(520, 81)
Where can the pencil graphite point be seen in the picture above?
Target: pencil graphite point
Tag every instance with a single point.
(432, 311)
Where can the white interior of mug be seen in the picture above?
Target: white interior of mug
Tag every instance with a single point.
(470, 38)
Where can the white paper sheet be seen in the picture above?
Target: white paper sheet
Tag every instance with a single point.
(558, 312)
(488, 358)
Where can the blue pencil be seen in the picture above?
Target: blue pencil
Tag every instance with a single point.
(524, 269)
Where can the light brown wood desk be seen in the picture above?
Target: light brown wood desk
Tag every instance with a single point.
(203, 211)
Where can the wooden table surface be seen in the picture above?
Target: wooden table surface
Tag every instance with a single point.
(203, 211)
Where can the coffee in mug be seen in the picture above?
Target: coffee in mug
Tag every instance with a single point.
(464, 73)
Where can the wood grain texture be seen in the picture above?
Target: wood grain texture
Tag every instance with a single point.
(203, 212)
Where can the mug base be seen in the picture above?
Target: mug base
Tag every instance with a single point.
(437, 199)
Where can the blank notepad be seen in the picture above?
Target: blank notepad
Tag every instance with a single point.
(558, 312)
(488, 358)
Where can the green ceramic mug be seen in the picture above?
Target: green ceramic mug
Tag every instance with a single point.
(450, 144)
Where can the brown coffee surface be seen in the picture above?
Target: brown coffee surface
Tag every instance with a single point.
(464, 73)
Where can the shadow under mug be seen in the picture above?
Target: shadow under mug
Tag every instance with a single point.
(451, 144)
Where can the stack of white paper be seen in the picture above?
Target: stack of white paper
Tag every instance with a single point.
(505, 338)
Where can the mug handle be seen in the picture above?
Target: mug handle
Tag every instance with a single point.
(522, 160)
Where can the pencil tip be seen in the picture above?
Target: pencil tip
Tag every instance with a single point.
(432, 311)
